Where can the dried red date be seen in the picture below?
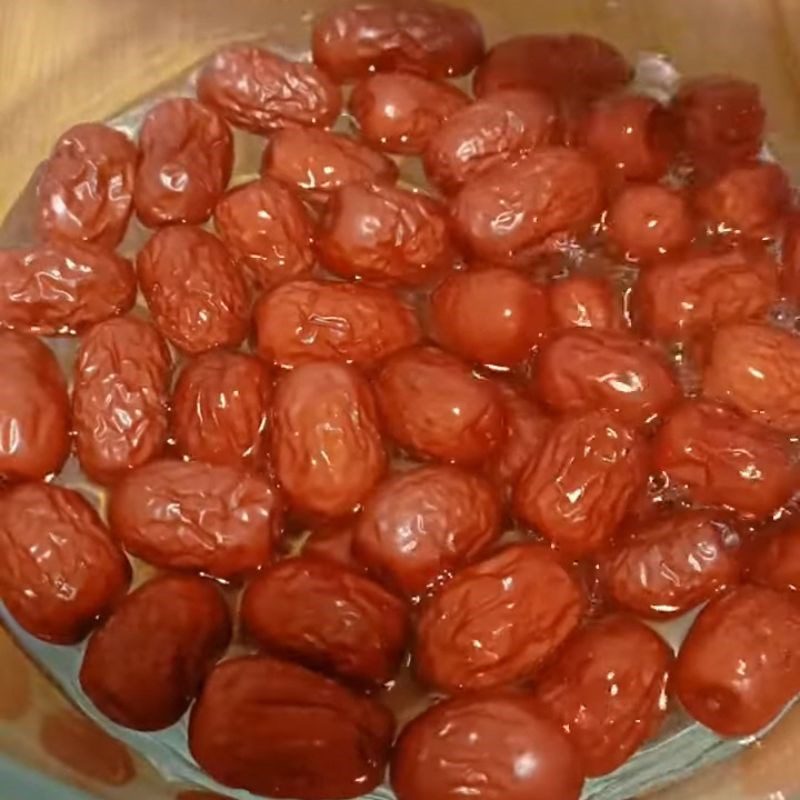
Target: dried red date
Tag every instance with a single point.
(145, 664)
(497, 621)
(326, 444)
(187, 515)
(186, 163)
(328, 616)
(332, 543)
(579, 489)
(489, 746)
(306, 736)
(306, 320)
(266, 226)
(740, 664)
(59, 568)
(492, 316)
(608, 690)
(34, 409)
(505, 213)
(194, 289)
(86, 189)
(725, 459)
(220, 409)
(417, 36)
(62, 287)
(774, 561)
(384, 234)
(790, 262)
(505, 126)
(426, 523)
(581, 301)
(261, 91)
(120, 396)
(436, 407)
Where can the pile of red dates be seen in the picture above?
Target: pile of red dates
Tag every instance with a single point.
(514, 414)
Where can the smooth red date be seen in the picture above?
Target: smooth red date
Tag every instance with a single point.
(86, 190)
(214, 519)
(306, 320)
(145, 664)
(119, 401)
(194, 290)
(434, 406)
(497, 621)
(774, 560)
(608, 690)
(424, 524)
(327, 449)
(220, 409)
(583, 301)
(329, 617)
(59, 568)
(306, 736)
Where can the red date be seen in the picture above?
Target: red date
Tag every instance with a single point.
(582, 301)
(774, 560)
(790, 263)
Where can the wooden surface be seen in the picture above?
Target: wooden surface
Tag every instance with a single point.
(63, 61)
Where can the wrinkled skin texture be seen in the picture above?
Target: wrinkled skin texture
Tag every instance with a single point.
(220, 409)
(186, 163)
(673, 564)
(790, 261)
(399, 112)
(329, 617)
(218, 520)
(417, 36)
(307, 320)
(608, 690)
(505, 213)
(585, 369)
(648, 221)
(86, 189)
(572, 66)
(145, 664)
(261, 91)
(493, 316)
(424, 524)
(385, 235)
(725, 459)
(34, 409)
(740, 664)
(63, 287)
(582, 301)
(268, 229)
(491, 746)
(505, 126)
(59, 568)
(749, 199)
(119, 400)
(279, 730)
(775, 561)
(579, 489)
(680, 298)
(319, 162)
(756, 369)
(434, 406)
(194, 290)
(327, 449)
(497, 621)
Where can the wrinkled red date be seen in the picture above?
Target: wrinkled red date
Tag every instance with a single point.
(583, 301)
(608, 690)
(220, 409)
(120, 395)
(194, 290)
(497, 621)
(306, 320)
(329, 617)
(145, 664)
(434, 406)
(579, 489)
(426, 523)
(86, 190)
(193, 516)
(59, 568)
(774, 561)
(306, 736)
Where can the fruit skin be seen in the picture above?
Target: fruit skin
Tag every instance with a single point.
(582, 301)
